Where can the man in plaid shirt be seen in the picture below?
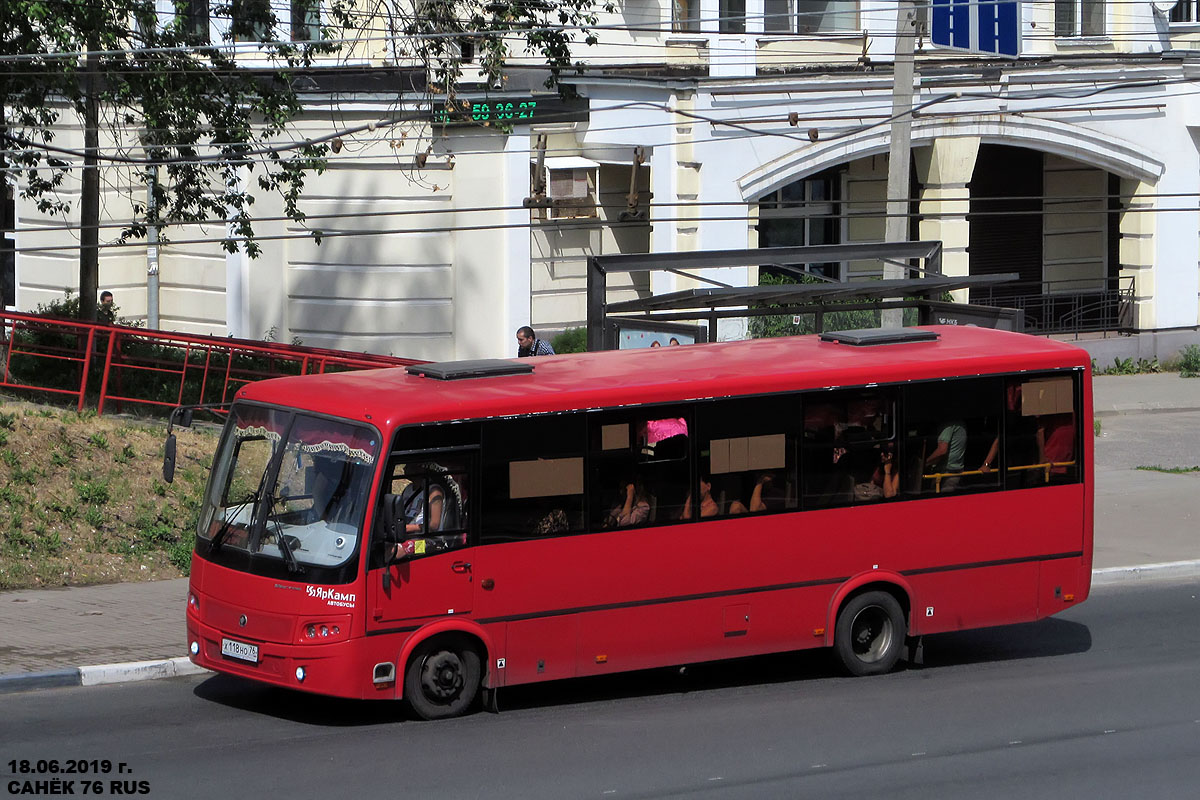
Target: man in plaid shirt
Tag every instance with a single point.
(529, 345)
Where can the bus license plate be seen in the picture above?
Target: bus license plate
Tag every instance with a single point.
(239, 650)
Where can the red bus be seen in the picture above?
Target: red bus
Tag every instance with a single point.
(435, 532)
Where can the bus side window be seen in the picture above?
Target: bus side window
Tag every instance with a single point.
(423, 509)
(533, 477)
(850, 448)
(950, 428)
(640, 466)
(747, 456)
(1041, 433)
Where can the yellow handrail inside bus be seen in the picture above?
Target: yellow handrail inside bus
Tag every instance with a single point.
(1046, 467)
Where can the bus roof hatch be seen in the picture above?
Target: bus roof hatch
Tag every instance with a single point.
(865, 337)
(476, 368)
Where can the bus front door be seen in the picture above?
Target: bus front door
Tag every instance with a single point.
(432, 586)
(421, 565)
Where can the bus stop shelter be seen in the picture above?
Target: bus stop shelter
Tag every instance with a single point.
(700, 308)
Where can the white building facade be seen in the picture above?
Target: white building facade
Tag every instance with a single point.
(737, 124)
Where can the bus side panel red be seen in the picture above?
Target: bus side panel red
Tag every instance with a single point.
(975, 598)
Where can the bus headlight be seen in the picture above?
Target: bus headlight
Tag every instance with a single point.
(300, 674)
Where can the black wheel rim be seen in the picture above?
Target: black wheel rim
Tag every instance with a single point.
(871, 634)
(443, 676)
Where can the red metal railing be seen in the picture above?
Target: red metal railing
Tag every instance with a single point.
(152, 368)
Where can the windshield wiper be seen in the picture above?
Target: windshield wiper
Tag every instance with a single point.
(285, 549)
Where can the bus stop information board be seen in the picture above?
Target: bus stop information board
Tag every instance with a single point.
(989, 27)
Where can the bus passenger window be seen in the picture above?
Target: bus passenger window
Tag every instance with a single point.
(950, 427)
(640, 466)
(850, 451)
(533, 476)
(1040, 432)
(747, 456)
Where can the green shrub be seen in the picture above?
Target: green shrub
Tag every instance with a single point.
(1189, 361)
(572, 340)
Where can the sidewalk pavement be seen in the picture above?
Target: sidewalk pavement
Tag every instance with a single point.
(134, 631)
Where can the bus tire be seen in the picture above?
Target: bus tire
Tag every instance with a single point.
(443, 678)
(870, 632)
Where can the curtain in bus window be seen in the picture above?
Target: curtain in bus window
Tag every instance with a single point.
(533, 477)
(850, 448)
(950, 427)
(1041, 431)
(747, 457)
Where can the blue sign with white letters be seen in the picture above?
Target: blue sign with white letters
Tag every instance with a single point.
(990, 27)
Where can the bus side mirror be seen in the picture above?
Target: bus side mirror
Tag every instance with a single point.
(169, 459)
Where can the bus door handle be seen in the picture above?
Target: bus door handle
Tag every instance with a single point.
(461, 566)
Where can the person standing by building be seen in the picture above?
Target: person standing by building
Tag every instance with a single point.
(529, 345)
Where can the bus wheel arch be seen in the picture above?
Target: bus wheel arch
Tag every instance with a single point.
(870, 627)
(444, 673)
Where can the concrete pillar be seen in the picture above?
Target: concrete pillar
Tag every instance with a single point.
(944, 169)
(1137, 248)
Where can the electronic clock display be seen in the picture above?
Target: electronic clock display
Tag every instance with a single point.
(499, 111)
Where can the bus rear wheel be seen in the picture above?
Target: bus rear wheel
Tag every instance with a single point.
(442, 679)
(870, 633)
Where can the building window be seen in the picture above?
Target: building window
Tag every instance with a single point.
(1185, 11)
(803, 213)
(252, 20)
(1079, 18)
(195, 19)
(685, 16)
(732, 16)
(306, 20)
(810, 16)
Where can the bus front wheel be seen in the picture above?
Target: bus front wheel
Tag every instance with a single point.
(442, 679)
(870, 633)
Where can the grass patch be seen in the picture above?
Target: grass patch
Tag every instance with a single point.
(82, 499)
(1096, 425)
(1169, 470)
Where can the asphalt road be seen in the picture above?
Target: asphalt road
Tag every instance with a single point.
(1103, 701)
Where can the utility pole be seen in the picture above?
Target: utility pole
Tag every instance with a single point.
(900, 149)
(152, 248)
(89, 198)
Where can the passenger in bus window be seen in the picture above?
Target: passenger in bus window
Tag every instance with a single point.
(766, 495)
(949, 454)
(887, 474)
(1056, 442)
(632, 506)
(708, 506)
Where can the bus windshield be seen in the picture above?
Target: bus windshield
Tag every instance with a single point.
(289, 487)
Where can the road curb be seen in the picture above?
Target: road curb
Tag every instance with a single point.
(98, 675)
(28, 681)
(1165, 570)
(138, 671)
